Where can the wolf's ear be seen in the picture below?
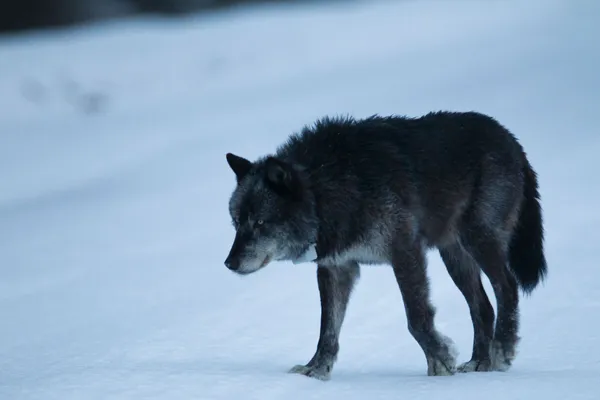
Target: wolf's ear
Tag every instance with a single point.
(282, 177)
(239, 165)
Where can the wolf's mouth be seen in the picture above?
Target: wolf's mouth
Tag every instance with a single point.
(266, 261)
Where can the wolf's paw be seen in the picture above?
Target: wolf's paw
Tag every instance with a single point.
(475, 366)
(438, 367)
(443, 363)
(502, 357)
(322, 373)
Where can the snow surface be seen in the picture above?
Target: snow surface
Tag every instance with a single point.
(114, 190)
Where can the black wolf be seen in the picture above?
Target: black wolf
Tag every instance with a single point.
(383, 190)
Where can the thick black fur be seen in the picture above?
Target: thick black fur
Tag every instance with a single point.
(384, 190)
(526, 245)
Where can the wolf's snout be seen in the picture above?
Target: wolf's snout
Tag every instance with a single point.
(232, 263)
(233, 260)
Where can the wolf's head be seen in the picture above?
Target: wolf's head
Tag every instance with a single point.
(273, 211)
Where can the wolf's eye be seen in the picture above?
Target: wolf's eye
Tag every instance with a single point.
(260, 222)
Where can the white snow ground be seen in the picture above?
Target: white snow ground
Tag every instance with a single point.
(114, 189)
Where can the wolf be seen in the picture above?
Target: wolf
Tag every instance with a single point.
(384, 190)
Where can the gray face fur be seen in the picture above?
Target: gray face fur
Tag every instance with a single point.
(272, 212)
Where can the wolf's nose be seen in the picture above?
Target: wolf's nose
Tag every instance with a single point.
(231, 264)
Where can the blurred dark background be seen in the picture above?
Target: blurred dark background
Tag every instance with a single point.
(22, 15)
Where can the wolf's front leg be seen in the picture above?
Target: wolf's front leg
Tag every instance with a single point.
(335, 287)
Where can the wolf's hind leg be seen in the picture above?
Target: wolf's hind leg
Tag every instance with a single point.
(411, 275)
(335, 287)
(491, 254)
(466, 275)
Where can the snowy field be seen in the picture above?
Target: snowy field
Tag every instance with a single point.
(114, 190)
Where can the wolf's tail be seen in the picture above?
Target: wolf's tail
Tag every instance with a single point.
(526, 249)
